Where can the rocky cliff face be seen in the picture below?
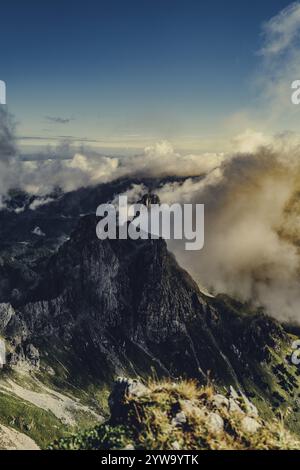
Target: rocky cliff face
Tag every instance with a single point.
(96, 309)
(123, 305)
(126, 306)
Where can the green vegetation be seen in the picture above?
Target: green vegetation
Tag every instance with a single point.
(37, 422)
(183, 415)
(42, 426)
(72, 377)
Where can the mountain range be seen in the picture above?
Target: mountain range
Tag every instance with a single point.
(77, 312)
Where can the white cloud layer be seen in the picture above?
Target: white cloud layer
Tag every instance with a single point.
(252, 213)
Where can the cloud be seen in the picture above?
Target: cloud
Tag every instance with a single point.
(282, 31)
(270, 108)
(70, 138)
(252, 213)
(9, 164)
(250, 140)
(279, 67)
(58, 120)
(7, 135)
(162, 160)
(71, 171)
(40, 201)
(252, 227)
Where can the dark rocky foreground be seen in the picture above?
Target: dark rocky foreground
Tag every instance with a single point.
(180, 416)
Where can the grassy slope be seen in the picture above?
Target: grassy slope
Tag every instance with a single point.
(147, 422)
(41, 424)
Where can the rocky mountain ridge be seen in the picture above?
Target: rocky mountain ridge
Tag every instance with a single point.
(121, 299)
(91, 310)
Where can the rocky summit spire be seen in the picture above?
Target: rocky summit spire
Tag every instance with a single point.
(149, 199)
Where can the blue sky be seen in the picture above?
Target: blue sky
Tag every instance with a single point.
(126, 73)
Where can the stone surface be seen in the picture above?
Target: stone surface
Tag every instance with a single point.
(215, 423)
(123, 389)
(234, 407)
(180, 419)
(32, 355)
(251, 409)
(6, 313)
(10, 439)
(220, 401)
(250, 425)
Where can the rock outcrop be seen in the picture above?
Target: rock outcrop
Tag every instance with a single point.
(10, 439)
(181, 416)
